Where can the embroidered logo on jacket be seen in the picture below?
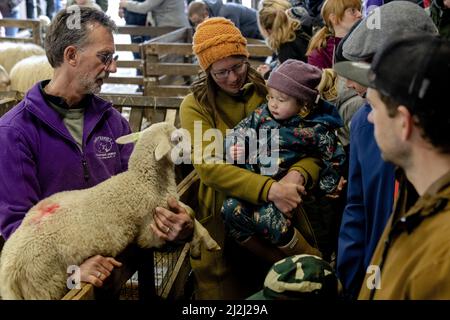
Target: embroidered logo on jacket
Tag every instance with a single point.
(103, 146)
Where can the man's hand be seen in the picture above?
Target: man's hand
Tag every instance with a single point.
(174, 224)
(97, 268)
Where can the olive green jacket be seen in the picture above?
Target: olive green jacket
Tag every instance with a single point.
(220, 180)
(416, 246)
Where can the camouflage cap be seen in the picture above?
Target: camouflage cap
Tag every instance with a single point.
(300, 277)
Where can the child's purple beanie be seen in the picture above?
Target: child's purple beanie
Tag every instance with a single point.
(297, 79)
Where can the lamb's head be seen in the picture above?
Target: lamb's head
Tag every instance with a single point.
(154, 143)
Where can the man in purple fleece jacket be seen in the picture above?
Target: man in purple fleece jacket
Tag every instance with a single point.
(61, 136)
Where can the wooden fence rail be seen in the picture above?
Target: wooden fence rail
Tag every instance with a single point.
(32, 24)
(170, 65)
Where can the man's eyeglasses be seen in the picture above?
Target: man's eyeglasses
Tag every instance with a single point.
(107, 59)
(236, 69)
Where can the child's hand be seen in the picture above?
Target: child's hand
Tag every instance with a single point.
(337, 192)
(237, 151)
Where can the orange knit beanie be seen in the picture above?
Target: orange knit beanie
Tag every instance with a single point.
(217, 38)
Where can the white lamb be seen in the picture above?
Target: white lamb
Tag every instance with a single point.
(69, 227)
(28, 71)
(5, 81)
(2, 29)
(12, 52)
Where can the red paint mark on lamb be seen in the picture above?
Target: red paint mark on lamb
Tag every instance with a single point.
(45, 210)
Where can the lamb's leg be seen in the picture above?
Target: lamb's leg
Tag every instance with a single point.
(202, 237)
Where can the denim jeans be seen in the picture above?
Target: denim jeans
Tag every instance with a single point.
(9, 31)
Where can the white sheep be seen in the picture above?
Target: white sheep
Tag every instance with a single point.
(5, 81)
(69, 227)
(28, 71)
(13, 52)
(2, 29)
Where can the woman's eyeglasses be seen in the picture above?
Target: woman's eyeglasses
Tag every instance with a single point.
(236, 69)
(107, 59)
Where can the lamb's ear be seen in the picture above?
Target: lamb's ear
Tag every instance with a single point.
(162, 149)
(129, 138)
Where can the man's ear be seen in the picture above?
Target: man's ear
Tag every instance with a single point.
(407, 122)
(71, 55)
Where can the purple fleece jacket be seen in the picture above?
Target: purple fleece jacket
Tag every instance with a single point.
(39, 157)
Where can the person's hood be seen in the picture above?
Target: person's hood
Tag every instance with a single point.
(326, 113)
(214, 7)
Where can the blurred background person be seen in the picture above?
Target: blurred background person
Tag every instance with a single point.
(244, 18)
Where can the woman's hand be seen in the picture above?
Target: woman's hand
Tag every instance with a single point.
(297, 178)
(294, 177)
(285, 196)
(173, 225)
(97, 269)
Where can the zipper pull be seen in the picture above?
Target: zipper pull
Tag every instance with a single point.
(85, 170)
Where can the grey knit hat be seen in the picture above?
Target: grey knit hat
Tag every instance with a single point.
(296, 79)
(411, 69)
(382, 24)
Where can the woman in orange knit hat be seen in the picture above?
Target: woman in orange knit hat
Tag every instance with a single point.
(227, 92)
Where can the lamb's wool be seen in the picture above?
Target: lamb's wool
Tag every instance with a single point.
(68, 227)
(5, 81)
(28, 71)
(12, 52)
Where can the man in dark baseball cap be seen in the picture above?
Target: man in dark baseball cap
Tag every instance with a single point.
(373, 184)
(407, 83)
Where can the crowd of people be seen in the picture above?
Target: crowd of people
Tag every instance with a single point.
(352, 109)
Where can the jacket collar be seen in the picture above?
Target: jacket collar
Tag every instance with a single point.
(36, 103)
(435, 200)
(431, 198)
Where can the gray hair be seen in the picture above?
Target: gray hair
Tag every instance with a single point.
(72, 27)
